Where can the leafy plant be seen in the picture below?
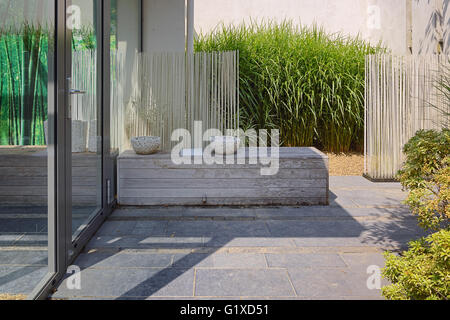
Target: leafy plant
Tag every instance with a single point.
(422, 272)
(84, 38)
(426, 174)
(305, 82)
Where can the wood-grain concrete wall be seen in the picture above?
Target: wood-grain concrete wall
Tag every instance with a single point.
(302, 179)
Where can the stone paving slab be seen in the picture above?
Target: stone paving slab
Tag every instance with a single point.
(136, 283)
(330, 242)
(116, 228)
(17, 280)
(259, 242)
(7, 239)
(357, 182)
(140, 212)
(23, 209)
(304, 260)
(22, 225)
(112, 260)
(249, 283)
(144, 242)
(23, 258)
(32, 240)
(325, 229)
(359, 262)
(220, 260)
(330, 283)
(154, 228)
(218, 212)
(218, 228)
(291, 213)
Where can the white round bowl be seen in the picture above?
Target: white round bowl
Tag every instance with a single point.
(224, 145)
(146, 145)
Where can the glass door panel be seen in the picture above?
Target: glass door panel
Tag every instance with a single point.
(84, 25)
(27, 126)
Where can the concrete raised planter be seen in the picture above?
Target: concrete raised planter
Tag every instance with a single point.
(302, 179)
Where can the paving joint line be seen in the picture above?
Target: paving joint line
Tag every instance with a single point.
(266, 218)
(241, 250)
(290, 281)
(20, 248)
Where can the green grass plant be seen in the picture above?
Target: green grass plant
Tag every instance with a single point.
(305, 82)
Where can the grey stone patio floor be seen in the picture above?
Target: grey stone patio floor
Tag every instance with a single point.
(248, 253)
(23, 245)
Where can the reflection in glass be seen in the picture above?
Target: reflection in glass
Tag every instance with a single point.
(26, 53)
(125, 42)
(86, 117)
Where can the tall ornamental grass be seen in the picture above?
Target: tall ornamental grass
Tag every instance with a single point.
(305, 82)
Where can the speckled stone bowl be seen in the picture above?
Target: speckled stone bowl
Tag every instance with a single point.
(146, 145)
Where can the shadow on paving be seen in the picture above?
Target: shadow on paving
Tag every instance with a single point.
(139, 245)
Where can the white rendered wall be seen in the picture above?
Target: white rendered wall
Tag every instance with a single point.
(128, 36)
(350, 17)
(164, 26)
(431, 23)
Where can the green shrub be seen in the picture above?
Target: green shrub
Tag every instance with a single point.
(422, 272)
(303, 81)
(426, 174)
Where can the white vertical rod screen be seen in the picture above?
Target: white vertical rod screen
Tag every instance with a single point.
(173, 90)
(401, 97)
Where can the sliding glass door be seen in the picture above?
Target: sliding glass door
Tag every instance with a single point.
(56, 167)
(88, 159)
